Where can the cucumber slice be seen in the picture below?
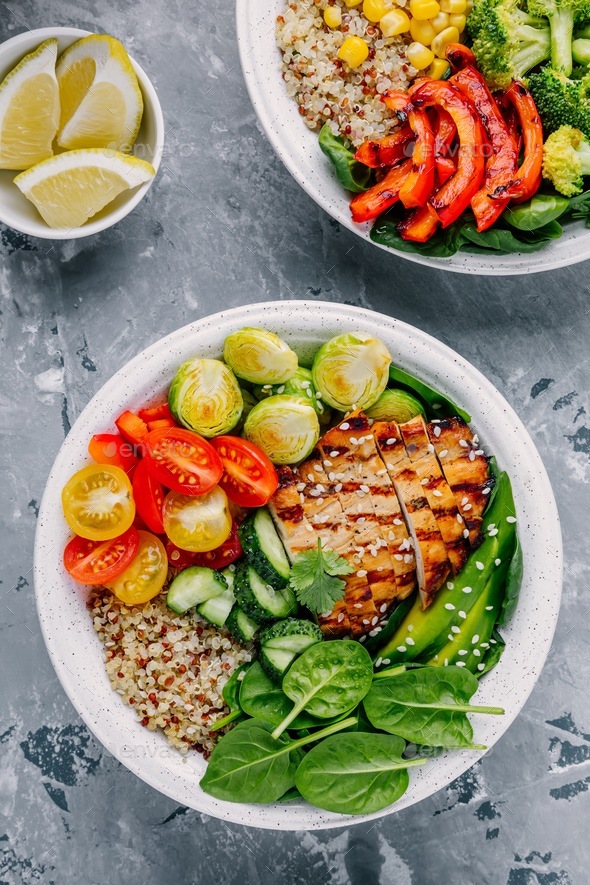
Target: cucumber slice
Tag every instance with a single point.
(259, 599)
(216, 610)
(264, 549)
(241, 626)
(192, 586)
(283, 642)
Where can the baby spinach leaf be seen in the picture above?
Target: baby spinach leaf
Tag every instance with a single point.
(513, 585)
(536, 212)
(442, 244)
(326, 680)
(493, 654)
(498, 239)
(426, 706)
(355, 773)
(231, 693)
(438, 403)
(351, 174)
(290, 795)
(261, 698)
(249, 765)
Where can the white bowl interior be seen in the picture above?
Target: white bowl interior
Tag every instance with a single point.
(77, 653)
(18, 212)
(298, 148)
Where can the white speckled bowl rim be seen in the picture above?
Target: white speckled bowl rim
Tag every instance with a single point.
(76, 651)
(298, 148)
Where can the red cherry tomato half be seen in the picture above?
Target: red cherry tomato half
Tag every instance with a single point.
(249, 476)
(132, 428)
(98, 562)
(179, 558)
(110, 448)
(148, 495)
(224, 555)
(182, 461)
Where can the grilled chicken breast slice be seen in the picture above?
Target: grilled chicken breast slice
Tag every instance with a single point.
(324, 511)
(432, 561)
(437, 491)
(466, 470)
(367, 494)
(286, 509)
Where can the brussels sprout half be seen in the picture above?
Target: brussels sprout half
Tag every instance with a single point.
(395, 405)
(351, 371)
(205, 397)
(259, 357)
(301, 384)
(285, 427)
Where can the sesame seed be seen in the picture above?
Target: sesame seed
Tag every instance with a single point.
(436, 430)
(374, 631)
(449, 606)
(309, 528)
(464, 501)
(479, 565)
(481, 667)
(386, 661)
(340, 617)
(443, 453)
(465, 533)
(317, 467)
(281, 389)
(391, 536)
(510, 519)
(486, 491)
(464, 443)
(466, 589)
(345, 426)
(354, 441)
(365, 489)
(334, 454)
(315, 493)
(327, 463)
(401, 648)
(379, 661)
(493, 533)
(493, 641)
(431, 448)
(366, 621)
(359, 508)
(459, 518)
(300, 486)
(489, 608)
(361, 493)
(409, 641)
(306, 384)
(360, 440)
(485, 644)
(450, 637)
(383, 608)
(450, 585)
(455, 629)
(338, 487)
(497, 561)
(358, 605)
(424, 482)
(311, 477)
(410, 628)
(309, 393)
(437, 494)
(467, 507)
(397, 521)
(463, 651)
(374, 620)
(475, 639)
(390, 441)
(362, 638)
(331, 477)
(462, 614)
(460, 663)
(318, 395)
(479, 452)
(477, 653)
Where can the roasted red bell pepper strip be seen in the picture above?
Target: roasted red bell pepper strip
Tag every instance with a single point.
(419, 184)
(445, 167)
(386, 151)
(444, 133)
(460, 56)
(155, 413)
(502, 160)
(455, 194)
(420, 225)
(396, 101)
(527, 178)
(381, 196)
(132, 428)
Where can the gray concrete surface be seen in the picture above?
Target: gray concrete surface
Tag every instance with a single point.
(225, 225)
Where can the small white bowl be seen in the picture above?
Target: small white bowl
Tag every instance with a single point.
(298, 148)
(77, 653)
(18, 212)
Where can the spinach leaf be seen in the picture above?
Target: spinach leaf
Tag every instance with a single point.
(355, 773)
(498, 239)
(290, 795)
(493, 654)
(536, 212)
(261, 698)
(328, 679)
(442, 244)
(438, 403)
(249, 765)
(580, 206)
(426, 706)
(231, 693)
(394, 620)
(351, 174)
(513, 585)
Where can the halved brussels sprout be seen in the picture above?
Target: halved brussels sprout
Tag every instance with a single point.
(259, 357)
(285, 427)
(301, 384)
(351, 371)
(395, 405)
(205, 397)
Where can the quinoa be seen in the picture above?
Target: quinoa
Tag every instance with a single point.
(325, 88)
(170, 668)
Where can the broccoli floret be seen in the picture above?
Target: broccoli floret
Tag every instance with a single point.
(566, 159)
(561, 15)
(561, 100)
(507, 41)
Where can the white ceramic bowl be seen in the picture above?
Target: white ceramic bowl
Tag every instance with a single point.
(18, 212)
(298, 148)
(77, 653)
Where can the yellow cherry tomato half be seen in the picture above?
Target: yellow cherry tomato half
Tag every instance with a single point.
(145, 577)
(98, 502)
(197, 523)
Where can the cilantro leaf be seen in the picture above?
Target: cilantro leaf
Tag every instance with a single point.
(314, 578)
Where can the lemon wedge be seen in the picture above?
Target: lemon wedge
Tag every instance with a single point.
(29, 109)
(101, 103)
(70, 188)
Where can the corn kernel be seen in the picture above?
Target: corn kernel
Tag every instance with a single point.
(374, 10)
(395, 22)
(440, 22)
(419, 56)
(333, 16)
(353, 51)
(438, 69)
(458, 21)
(422, 32)
(453, 7)
(351, 3)
(424, 9)
(442, 40)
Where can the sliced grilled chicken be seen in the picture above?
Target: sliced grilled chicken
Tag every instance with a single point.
(465, 467)
(351, 458)
(432, 561)
(324, 511)
(436, 489)
(297, 533)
